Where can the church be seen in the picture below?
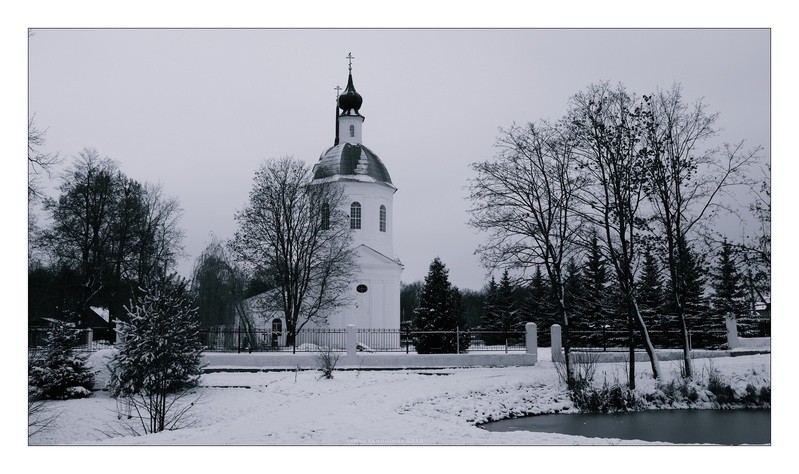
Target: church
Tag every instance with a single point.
(369, 192)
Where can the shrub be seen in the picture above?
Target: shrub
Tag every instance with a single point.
(58, 371)
(326, 362)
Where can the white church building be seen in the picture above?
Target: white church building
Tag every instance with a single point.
(369, 192)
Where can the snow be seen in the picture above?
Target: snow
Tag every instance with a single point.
(396, 407)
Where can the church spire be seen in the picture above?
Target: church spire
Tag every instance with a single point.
(338, 90)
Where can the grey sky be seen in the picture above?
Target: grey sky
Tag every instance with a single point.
(198, 110)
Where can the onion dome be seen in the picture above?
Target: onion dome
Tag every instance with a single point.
(350, 101)
(350, 161)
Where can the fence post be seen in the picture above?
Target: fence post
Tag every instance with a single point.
(531, 338)
(352, 332)
(457, 340)
(556, 343)
(89, 338)
(238, 341)
(407, 338)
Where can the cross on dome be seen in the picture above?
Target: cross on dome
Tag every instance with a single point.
(350, 57)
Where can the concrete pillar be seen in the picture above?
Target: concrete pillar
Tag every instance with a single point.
(531, 338)
(557, 345)
(352, 335)
(732, 331)
(89, 338)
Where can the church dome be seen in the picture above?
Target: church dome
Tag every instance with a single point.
(351, 161)
(350, 100)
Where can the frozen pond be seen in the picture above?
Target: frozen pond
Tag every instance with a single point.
(728, 427)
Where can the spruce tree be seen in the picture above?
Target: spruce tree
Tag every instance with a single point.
(58, 371)
(440, 309)
(159, 359)
(490, 305)
(596, 297)
(728, 290)
(504, 318)
(574, 289)
(650, 298)
(706, 328)
(539, 308)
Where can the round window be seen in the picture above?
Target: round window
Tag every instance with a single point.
(361, 289)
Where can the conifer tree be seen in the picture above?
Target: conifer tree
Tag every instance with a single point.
(595, 297)
(440, 309)
(573, 290)
(58, 371)
(503, 318)
(728, 290)
(539, 308)
(490, 305)
(159, 359)
(650, 297)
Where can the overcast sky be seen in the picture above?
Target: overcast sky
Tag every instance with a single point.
(199, 110)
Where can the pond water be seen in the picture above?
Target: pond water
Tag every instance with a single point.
(728, 427)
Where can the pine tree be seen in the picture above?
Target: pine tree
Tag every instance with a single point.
(650, 298)
(539, 307)
(706, 328)
(574, 290)
(440, 309)
(159, 359)
(58, 371)
(504, 318)
(728, 290)
(596, 297)
(490, 305)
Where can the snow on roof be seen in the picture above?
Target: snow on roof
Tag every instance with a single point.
(102, 312)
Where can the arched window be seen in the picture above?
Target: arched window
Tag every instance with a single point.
(325, 216)
(382, 218)
(352, 130)
(355, 215)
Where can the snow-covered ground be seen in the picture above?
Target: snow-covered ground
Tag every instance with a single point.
(408, 407)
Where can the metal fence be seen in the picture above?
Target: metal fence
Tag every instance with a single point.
(224, 339)
(87, 339)
(619, 340)
(240, 339)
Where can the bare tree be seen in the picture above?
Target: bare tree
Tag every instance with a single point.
(684, 182)
(296, 234)
(525, 200)
(38, 162)
(608, 126)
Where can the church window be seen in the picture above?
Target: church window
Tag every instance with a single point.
(361, 289)
(325, 216)
(352, 130)
(277, 326)
(382, 218)
(355, 215)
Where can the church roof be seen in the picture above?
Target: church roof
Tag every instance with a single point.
(349, 160)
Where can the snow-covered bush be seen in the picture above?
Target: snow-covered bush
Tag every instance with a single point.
(57, 370)
(159, 360)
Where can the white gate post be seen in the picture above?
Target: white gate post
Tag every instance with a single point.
(732, 331)
(531, 338)
(352, 333)
(89, 338)
(556, 343)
